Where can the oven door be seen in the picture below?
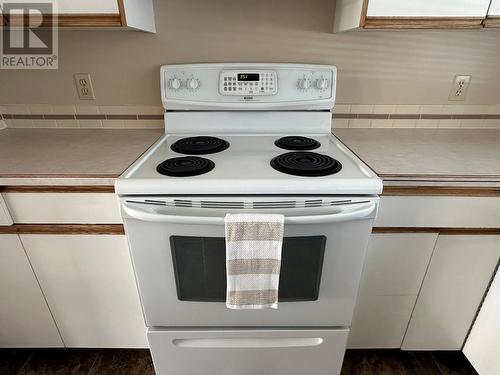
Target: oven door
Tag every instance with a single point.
(178, 252)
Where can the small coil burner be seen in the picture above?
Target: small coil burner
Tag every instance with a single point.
(199, 145)
(307, 164)
(297, 143)
(185, 166)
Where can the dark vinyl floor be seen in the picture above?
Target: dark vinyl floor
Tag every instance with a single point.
(138, 362)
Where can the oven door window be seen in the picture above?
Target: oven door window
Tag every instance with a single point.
(200, 268)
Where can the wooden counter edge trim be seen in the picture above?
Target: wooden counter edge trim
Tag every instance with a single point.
(441, 191)
(364, 12)
(443, 231)
(492, 21)
(121, 10)
(113, 229)
(72, 20)
(388, 190)
(58, 189)
(422, 22)
(118, 229)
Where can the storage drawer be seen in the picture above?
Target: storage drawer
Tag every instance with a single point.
(63, 208)
(5, 218)
(277, 352)
(426, 211)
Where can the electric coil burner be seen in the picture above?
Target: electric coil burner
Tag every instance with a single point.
(199, 145)
(185, 166)
(297, 143)
(307, 164)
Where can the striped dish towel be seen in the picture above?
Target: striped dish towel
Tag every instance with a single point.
(253, 260)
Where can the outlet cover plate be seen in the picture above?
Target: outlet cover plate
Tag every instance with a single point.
(459, 88)
(84, 87)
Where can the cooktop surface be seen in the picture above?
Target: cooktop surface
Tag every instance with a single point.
(251, 164)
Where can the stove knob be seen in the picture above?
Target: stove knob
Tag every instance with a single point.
(174, 83)
(193, 83)
(304, 83)
(321, 83)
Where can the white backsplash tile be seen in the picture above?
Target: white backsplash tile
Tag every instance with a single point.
(37, 109)
(384, 109)
(449, 124)
(86, 109)
(472, 123)
(403, 123)
(90, 124)
(113, 124)
(407, 109)
(340, 123)
(342, 108)
(45, 123)
(64, 109)
(19, 123)
(426, 123)
(67, 123)
(361, 108)
(360, 123)
(118, 109)
(378, 123)
(431, 109)
(17, 109)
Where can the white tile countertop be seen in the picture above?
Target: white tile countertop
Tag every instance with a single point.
(69, 156)
(428, 157)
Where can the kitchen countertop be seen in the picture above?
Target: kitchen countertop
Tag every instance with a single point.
(428, 157)
(70, 156)
(401, 157)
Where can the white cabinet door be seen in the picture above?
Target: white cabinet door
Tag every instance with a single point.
(392, 276)
(458, 275)
(494, 10)
(82, 6)
(483, 344)
(428, 8)
(90, 287)
(25, 319)
(88, 6)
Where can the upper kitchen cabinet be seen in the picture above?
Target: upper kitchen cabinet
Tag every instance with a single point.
(119, 14)
(493, 18)
(410, 14)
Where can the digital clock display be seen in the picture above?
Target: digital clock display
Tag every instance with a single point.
(245, 77)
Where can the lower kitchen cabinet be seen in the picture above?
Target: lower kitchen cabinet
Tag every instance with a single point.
(483, 342)
(393, 273)
(457, 278)
(25, 319)
(89, 285)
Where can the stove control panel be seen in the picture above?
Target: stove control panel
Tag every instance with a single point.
(248, 82)
(248, 86)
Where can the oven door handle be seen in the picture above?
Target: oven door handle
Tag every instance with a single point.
(348, 213)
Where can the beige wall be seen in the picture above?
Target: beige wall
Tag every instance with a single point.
(395, 67)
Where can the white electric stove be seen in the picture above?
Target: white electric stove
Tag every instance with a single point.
(247, 138)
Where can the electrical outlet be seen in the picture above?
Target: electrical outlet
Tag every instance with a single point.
(84, 86)
(459, 88)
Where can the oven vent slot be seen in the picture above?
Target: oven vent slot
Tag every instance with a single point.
(183, 203)
(211, 204)
(279, 204)
(314, 203)
(152, 201)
